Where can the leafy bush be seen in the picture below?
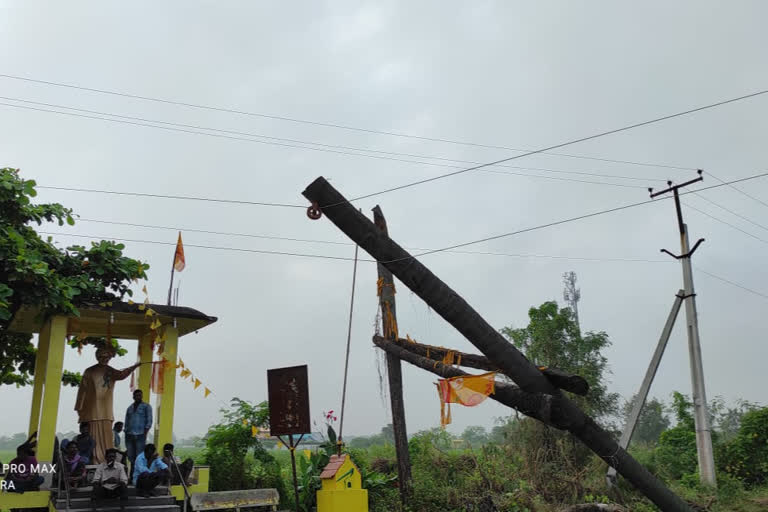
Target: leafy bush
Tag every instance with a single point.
(746, 456)
(236, 457)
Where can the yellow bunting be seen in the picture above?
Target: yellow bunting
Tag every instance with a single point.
(145, 290)
(155, 324)
(408, 337)
(181, 363)
(197, 383)
(142, 307)
(130, 302)
(207, 392)
(185, 373)
(150, 312)
(254, 431)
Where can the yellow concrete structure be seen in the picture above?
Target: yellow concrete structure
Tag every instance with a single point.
(342, 487)
(122, 321)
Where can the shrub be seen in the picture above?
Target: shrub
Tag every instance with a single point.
(746, 456)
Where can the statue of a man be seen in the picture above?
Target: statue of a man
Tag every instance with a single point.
(94, 400)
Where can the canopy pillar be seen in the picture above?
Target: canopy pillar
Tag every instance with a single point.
(145, 370)
(166, 400)
(37, 391)
(52, 341)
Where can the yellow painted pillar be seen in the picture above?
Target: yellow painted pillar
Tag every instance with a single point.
(55, 332)
(145, 370)
(37, 392)
(166, 401)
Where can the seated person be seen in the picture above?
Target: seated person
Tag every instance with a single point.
(73, 465)
(149, 471)
(85, 443)
(110, 480)
(176, 466)
(21, 470)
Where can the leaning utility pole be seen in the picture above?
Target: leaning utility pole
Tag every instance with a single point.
(701, 417)
(564, 413)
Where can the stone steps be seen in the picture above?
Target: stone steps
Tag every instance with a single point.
(80, 501)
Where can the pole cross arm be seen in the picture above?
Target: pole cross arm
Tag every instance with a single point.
(688, 254)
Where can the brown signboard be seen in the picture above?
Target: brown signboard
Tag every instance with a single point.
(288, 390)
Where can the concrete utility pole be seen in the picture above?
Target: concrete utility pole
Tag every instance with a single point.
(701, 417)
(642, 395)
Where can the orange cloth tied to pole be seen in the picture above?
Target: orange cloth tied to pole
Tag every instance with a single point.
(158, 376)
(470, 390)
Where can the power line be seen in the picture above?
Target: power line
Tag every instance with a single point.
(323, 150)
(331, 146)
(732, 212)
(457, 246)
(327, 125)
(329, 242)
(568, 143)
(688, 205)
(341, 258)
(236, 249)
(579, 217)
(737, 285)
(166, 196)
(741, 192)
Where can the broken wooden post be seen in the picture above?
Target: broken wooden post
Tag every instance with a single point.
(535, 405)
(455, 310)
(386, 293)
(560, 379)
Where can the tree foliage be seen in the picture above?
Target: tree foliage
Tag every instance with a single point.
(236, 456)
(553, 338)
(652, 422)
(34, 272)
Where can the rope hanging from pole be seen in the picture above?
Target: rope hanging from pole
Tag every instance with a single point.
(346, 360)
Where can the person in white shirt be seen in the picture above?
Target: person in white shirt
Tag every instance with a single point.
(110, 480)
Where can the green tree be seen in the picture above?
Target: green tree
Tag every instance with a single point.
(475, 435)
(34, 272)
(237, 458)
(388, 433)
(553, 338)
(676, 453)
(652, 422)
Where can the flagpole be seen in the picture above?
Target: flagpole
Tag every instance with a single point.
(170, 287)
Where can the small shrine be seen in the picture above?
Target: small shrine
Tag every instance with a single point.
(150, 325)
(342, 487)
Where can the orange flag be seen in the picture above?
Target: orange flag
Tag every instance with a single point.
(469, 391)
(178, 258)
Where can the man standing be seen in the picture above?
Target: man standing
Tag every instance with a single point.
(94, 399)
(122, 456)
(149, 471)
(138, 421)
(110, 480)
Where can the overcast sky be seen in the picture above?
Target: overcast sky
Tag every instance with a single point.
(511, 74)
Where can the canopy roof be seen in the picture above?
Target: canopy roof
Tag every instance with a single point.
(130, 320)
